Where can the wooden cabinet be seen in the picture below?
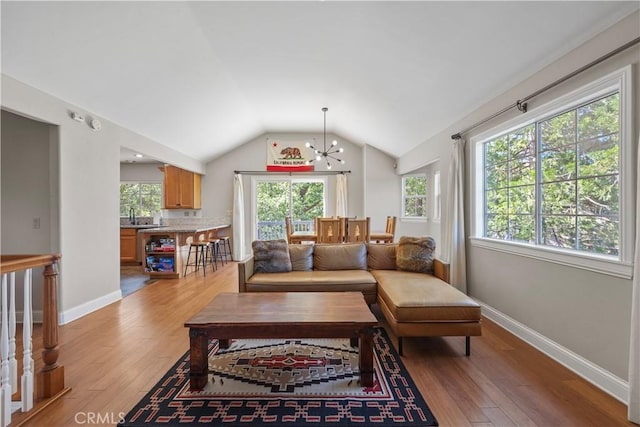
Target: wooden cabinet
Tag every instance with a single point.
(182, 189)
(128, 245)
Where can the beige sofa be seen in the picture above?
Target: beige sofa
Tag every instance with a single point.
(414, 304)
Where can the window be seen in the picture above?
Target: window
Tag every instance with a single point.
(437, 200)
(414, 196)
(276, 198)
(557, 181)
(144, 198)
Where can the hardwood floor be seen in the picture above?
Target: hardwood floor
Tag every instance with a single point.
(114, 356)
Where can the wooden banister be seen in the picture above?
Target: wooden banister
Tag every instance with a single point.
(50, 379)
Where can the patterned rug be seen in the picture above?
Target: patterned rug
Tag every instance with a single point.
(287, 382)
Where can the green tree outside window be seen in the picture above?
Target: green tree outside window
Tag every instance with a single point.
(144, 198)
(556, 182)
(414, 196)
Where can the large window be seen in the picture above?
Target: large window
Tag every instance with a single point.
(276, 198)
(557, 181)
(145, 199)
(414, 196)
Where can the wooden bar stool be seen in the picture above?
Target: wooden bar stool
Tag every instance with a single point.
(201, 250)
(225, 243)
(214, 250)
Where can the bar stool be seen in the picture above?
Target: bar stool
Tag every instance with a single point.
(225, 243)
(201, 250)
(214, 248)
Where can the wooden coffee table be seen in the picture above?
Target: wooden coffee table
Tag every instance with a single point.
(281, 315)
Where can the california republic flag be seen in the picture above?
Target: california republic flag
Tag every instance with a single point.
(288, 157)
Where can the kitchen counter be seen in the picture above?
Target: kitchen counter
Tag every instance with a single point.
(140, 226)
(176, 236)
(186, 228)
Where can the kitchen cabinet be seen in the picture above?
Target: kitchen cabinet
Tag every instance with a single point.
(128, 245)
(182, 189)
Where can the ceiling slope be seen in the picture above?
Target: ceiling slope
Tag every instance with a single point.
(205, 77)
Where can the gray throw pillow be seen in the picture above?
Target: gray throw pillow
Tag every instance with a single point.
(301, 257)
(271, 256)
(416, 254)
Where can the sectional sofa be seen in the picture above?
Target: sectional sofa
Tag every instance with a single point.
(413, 303)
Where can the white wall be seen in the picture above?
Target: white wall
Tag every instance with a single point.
(382, 188)
(584, 312)
(89, 177)
(217, 184)
(141, 172)
(26, 160)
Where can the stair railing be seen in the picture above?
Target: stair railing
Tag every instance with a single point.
(49, 381)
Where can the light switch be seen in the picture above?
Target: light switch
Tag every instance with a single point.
(36, 223)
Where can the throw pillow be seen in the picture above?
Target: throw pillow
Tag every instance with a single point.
(416, 254)
(381, 256)
(340, 256)
(271, 256)
(301, 257)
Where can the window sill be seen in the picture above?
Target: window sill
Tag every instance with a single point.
(596, 263)
(413, 219)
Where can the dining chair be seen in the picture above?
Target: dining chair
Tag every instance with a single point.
(389, 234)
(329, 230)
(357, 229)
(297, 236)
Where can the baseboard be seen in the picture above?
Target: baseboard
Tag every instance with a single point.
(88, 307)
(601, 378)
(36, 315)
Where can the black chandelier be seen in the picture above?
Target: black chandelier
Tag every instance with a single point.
(326, 154)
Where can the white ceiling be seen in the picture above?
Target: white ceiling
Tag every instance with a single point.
(205, 77)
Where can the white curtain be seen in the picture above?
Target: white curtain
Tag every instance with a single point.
(341, 195)
(238, 218)
(453, 239)
(634, 351)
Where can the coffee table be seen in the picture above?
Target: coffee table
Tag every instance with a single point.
(281, 315)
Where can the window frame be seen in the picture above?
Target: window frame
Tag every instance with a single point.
(437, 196)
(425, 217)
(290, 179)
(139, 211)
(620, 266)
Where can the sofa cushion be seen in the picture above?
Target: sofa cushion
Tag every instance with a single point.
(301, 257)
(415, 254)
(316, 281)
(344, 277)
(271, 256)
(381, 256)
(418, 297)
(348, 256)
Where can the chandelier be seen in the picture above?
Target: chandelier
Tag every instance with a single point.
(325, 154)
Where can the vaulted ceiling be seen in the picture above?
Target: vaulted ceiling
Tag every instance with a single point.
(206, 77)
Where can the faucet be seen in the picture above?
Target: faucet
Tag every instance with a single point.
(132, 216)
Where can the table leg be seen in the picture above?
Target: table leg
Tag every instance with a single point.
(354, 342)
(199, 362)
(366, 358)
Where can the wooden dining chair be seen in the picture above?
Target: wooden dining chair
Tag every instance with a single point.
(357, 229)
(297, 237)
(389, 234)
(329, 230)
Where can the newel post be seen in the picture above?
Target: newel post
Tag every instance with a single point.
(50, 380)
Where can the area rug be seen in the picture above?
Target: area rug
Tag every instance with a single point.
(287, 382)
